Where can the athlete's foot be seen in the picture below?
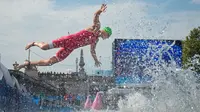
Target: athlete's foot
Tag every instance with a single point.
(29, 45)
(26, 63)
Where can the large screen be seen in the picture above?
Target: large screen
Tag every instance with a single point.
(132, 56)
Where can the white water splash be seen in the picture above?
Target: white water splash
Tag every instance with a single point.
(172, 91)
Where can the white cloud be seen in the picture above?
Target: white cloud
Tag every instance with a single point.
(196, 1)
(25, 21)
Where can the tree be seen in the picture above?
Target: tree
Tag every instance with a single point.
(191, 47)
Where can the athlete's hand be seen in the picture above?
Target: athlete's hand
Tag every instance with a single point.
(103, 7)
(97, 63)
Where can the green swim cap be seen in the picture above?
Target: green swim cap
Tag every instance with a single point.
(108, 30)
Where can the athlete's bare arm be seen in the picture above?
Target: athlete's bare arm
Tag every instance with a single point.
(96, 23)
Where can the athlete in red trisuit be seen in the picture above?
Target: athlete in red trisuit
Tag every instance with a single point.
(89, 36)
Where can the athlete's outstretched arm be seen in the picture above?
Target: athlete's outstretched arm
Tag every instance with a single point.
(93, 53)
(96, 23)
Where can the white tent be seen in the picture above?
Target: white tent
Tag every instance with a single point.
(10, 80)
(5, 73)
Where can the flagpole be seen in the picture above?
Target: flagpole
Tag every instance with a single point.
(29, 55)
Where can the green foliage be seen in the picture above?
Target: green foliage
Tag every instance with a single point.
(191, 47)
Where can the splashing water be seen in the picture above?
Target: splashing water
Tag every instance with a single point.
(173, 90)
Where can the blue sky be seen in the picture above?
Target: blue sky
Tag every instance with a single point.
(25, 21)
(176, 5)
(167, 5)
(81, 2)
(162, 6)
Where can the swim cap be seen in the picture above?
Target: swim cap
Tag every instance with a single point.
(108, 30)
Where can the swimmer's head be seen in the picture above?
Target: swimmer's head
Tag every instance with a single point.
(106, 32)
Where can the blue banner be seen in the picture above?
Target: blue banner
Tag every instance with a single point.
(132, 56)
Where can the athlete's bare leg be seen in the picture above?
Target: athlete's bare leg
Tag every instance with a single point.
(47, 62)
(42, 45)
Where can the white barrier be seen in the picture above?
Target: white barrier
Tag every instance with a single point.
(10, 80)
(5, 73)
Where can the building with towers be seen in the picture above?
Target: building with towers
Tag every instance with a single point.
(78, 82)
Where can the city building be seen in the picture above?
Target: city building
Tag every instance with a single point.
(77, 82)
